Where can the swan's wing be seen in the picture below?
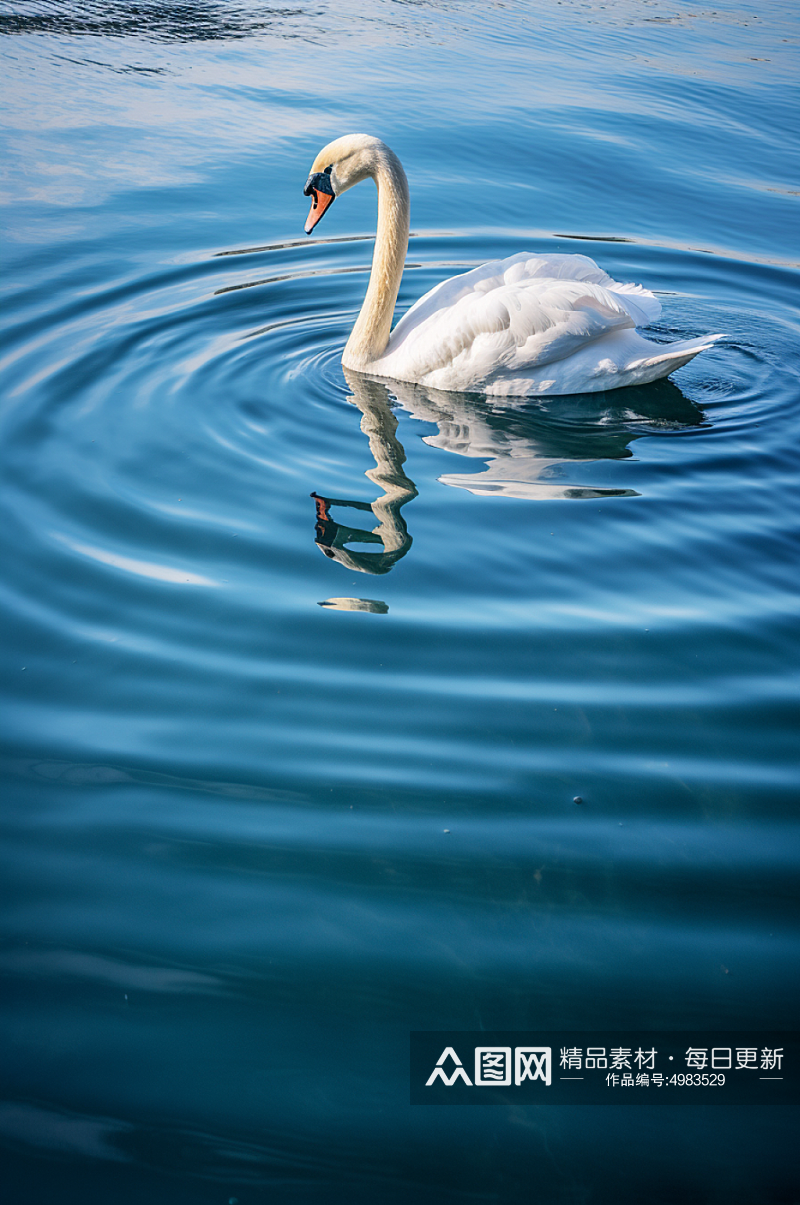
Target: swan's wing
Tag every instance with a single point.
(522, 267)
(513, 315)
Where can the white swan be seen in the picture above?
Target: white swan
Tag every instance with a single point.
(529, 324)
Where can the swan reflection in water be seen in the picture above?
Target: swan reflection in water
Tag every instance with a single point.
(379, 424)
(526, 445)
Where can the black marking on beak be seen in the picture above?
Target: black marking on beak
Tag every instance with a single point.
(319, 182)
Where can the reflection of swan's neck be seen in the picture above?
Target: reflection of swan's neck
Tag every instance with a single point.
(380, 425)
(370, 334)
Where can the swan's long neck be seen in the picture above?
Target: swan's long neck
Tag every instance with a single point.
(370, 334)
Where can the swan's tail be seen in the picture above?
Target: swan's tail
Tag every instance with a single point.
(672, 355)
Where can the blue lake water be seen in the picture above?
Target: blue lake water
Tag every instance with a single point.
(252, 841)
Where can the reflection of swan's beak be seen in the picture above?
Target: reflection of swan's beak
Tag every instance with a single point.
(331, 537)
(327, 528)
(320, 189)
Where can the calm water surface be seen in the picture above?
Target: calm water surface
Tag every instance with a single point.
(304, 673)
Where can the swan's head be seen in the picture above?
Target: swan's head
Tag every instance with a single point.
(338, 166)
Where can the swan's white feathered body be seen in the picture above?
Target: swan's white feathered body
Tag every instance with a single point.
(529, 324)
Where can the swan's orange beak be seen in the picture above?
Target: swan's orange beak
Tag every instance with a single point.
(319, 203)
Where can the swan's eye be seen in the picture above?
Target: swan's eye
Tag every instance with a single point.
(328, 170)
